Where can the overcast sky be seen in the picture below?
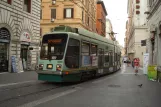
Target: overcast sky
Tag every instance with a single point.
(117, 13)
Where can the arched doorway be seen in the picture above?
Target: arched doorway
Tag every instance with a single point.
(4, 45)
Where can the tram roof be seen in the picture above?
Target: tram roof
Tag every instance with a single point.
(94, 35)
(81, 31)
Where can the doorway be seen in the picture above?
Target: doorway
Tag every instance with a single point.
(23, 56)
(3, 57)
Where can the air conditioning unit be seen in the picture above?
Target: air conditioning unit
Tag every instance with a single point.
(53, 2)
(52, 19)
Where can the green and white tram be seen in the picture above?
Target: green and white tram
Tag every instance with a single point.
(74, 54)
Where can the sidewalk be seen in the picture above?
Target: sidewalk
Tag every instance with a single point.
(6, 78)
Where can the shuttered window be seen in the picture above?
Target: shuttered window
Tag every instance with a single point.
(68, 13)
(9, 1)
(53, 13)
(41, 14)
(27, 6)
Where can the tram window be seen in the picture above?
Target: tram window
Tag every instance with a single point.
(115, 56)
(85, 48)
(111, 58)
(118, 58)
(53, 46)
(72, 54)
(106, 57)
(93, 49)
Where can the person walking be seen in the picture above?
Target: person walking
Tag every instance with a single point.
(136, 64)
(132, 63)
(128, 62)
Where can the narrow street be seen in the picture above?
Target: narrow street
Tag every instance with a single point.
(116, 90)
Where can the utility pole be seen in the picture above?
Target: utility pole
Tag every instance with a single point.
(112, 33)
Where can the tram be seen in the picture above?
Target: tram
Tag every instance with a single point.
(74, 54)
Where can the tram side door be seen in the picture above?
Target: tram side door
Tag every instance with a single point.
(100, 60)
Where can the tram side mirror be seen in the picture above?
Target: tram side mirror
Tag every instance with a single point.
(31, 48)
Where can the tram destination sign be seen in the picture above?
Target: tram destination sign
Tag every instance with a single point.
(55, 41)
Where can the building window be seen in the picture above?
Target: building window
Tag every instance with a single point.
(53, 13)
(27, 6)
(68, 13)
(82, 16)
(41, 14)
(88, 21)
(9, 1)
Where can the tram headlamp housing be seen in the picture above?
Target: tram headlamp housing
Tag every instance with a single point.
(58, 67)
(41, 66)
(49, 66)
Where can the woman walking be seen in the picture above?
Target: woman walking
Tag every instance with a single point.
(136, 64)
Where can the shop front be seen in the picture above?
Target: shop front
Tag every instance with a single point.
(4, 49)
(24, 52)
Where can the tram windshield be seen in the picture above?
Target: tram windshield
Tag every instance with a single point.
(53, 46)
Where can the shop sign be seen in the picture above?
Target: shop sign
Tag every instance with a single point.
(20, 67)
(25, 37)
(145, 62)
(13, 63)
(152, 72)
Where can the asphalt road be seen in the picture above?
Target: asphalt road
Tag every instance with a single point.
(117, 90)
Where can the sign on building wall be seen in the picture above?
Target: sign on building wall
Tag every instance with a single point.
(152, 72)
(20, 65)
(145, 63)
(25, 37)
(13, 63)
(29, 59)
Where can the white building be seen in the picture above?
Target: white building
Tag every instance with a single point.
(19, 31)
(109, 28)
(136, 29)
(154, 26)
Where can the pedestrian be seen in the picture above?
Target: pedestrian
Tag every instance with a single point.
(132, 63)
(136, 64)
(128, 61)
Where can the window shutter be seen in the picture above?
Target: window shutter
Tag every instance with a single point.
(64, 13)
(72, 12)
(41, 14)
(29, 6)
(53, 13)
(82, 16)
(9, 1)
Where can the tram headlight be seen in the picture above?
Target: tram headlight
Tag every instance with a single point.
(49, 66)
(58, 67)
(41, 66)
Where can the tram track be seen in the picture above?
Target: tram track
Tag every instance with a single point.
(20, 92)
(7, 88)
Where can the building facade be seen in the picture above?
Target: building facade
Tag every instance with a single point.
(154, 27)
(101, 18)
(74, 13)
(109, 29)
(19, 34)
(136, 29)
